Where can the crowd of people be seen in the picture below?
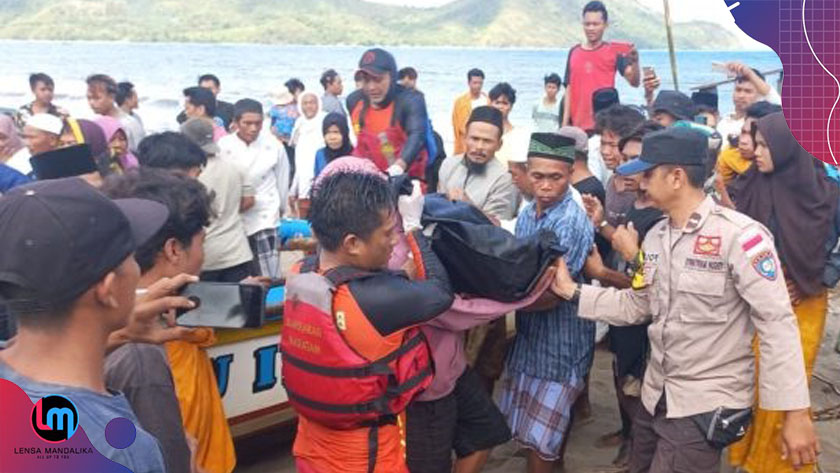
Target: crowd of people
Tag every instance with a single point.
(697, 247)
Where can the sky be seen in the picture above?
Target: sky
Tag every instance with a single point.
(681, 11)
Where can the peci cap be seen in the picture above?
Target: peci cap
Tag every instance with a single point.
(61, 237)
(605, 98)
(552, 146)
(46, 122)
(675, 145)
(200, 132)
(70, 161)
(676, 103)
(487, 114)
(577, 134)
(378, 62)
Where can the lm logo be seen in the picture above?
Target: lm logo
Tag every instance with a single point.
(55, 418)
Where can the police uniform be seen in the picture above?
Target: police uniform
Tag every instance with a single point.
(709, 288)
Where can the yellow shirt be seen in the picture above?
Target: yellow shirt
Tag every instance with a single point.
(201, 404)
(731, 164)
(460, 115)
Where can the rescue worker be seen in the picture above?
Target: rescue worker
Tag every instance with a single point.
(708, 276)
(389, 120)
(353, 357)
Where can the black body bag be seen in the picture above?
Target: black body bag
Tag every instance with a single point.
(723, 427)
(482, 259)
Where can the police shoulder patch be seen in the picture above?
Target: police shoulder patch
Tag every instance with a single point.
(764, 264)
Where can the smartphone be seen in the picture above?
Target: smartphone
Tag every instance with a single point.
(224, 305)
(648, 72)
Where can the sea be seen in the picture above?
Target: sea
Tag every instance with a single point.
(160, 71)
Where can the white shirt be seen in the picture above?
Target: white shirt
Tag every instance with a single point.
(266, 169)
(731, 125)
(515, 145)
(595, 162)
(20, 161)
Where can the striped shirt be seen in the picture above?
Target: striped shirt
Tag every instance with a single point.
(555, 344)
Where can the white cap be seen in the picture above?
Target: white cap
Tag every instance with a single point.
(46, 122)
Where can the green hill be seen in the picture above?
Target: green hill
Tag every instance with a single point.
(519, 23)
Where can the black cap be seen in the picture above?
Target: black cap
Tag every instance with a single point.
(675, 145)
(605, 98)
(676, 103)
(63, 162)
(378, 62)
(707, 98)
(61, 237)
(487, 114)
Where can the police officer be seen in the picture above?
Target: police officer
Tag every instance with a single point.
(711, 281)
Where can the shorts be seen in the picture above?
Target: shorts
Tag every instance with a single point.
(466, 421)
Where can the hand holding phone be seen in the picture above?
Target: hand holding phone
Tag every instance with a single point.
(224, 305)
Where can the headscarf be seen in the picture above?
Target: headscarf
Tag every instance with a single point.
(346, 148)
(349, 165)
(308, 138)
(13, 141)
(796, 202)
(356, 165)
(111, 126)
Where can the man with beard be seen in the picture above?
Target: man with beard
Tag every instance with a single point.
(476, 176)
(479, 178)
(388, 119)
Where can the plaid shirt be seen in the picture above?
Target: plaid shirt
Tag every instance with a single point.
(555, 344)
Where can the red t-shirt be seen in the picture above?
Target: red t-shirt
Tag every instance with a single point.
(588, 71)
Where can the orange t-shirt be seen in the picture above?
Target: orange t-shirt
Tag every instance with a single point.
(377, 120)
(324, 450)
(201, 404)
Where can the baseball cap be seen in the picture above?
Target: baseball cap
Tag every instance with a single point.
(676, 103)
(46, 122)
(580, 137)
(200, 132)
(678, 145)
(61, 237)
(377, 62)
(63, 162)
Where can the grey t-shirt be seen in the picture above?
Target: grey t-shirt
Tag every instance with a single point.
(141, 372)
(95, 411)
(617, 204)
(330, 103)
(225, 243)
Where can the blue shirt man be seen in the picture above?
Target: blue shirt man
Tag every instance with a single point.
(552, 352)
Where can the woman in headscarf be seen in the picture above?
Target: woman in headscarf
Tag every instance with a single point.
(10, 142)
(121, 158)
(788, 191)
(307, 138)
(337, 141)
